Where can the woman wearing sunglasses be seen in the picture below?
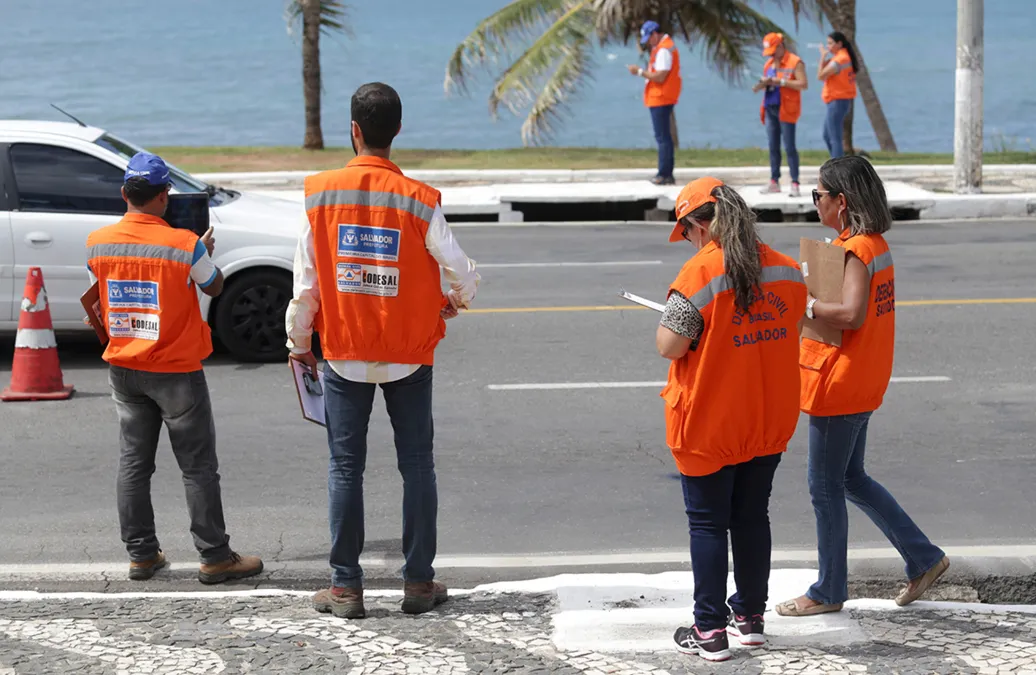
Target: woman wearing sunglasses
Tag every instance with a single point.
(842, 387)
(730, 329)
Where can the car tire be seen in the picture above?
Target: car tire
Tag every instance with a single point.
(249, 316)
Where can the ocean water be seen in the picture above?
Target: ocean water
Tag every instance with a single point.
(226, 72)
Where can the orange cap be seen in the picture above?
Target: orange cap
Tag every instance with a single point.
(770, 43)
(694, 194)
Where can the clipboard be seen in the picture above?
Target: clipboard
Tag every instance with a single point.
(823, 268)
(310, 392)
(644, 302)
(91, 301)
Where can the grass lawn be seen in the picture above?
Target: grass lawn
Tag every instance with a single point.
(218, 159)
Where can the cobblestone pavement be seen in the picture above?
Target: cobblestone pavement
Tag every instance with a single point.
(473, 633)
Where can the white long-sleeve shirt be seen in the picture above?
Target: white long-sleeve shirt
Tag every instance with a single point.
(302, 309)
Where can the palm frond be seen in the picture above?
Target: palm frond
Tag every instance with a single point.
(517, 86)
(726, 30)
(334, 17)
(572, 71)
(518, 22)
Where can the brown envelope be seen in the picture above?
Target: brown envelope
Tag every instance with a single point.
(823, 268)
(91, 301)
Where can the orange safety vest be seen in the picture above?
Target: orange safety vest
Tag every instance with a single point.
(668, 92)
(380, 288)
(733, 398)
(148, 302)
(791, 99)
(841, 85)
(853, 378)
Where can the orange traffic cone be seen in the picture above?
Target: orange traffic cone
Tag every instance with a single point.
(36, 373)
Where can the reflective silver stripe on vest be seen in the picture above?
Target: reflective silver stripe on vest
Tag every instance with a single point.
(153, 251)
(882, 262)
(717, 285)
(364, 198)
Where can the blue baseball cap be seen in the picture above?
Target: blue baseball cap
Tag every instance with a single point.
(146, 165)
(646, 30)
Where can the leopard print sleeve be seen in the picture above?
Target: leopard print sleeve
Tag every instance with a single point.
(683, 318)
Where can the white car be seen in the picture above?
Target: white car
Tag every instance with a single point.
(59, 181)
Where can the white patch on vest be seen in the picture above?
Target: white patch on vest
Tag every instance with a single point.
(133, 325)
(368, 280)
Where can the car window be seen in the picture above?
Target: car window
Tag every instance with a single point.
(60, 180)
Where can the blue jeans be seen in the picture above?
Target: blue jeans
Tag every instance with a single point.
(735, 499)
(660, 116)
(836, 450)
(775, 128)
(348, 408)
(836, 112)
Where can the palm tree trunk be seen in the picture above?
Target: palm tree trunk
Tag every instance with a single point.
(841, 14)
(314, 139)
(869, 96)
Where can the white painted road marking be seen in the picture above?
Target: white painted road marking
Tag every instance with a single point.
(637, 385)
(610, 263)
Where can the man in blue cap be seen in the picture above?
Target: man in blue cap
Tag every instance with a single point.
(661, 93)
(147, 274)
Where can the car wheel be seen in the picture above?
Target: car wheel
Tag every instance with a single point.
(249, 318)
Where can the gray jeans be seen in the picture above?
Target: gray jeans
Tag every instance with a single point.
(144, 401)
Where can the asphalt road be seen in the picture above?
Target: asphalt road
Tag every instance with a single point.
(560, 471)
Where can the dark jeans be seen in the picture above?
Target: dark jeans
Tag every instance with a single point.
(836, 112)
(836, 451)
(735, 499)
(181, 400)
(775, 129)
(660, 117)
(348, 407)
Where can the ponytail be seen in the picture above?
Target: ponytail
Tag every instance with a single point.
(840, 37)
(733, 229)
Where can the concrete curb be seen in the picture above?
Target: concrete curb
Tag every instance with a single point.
(286, 179)
(978, 578)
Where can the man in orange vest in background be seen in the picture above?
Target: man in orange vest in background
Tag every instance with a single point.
(661, 93)
(147, 272)
(367, 278)
(784, 78)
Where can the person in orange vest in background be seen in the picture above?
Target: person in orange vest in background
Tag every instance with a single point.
(837, 69)
(367, 278)
(148, 273)
(661, 94)
(784, 79)
(731, 330)
(842, 387)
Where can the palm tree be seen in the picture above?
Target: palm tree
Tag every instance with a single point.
(841, 14)
(558, 37)
(316, 17)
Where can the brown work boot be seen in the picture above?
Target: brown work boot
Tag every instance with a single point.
(145, 569)
(424, 596)
(234, 567)
(345, 603)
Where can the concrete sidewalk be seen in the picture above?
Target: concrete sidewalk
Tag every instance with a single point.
(516, 196)
(591, 624)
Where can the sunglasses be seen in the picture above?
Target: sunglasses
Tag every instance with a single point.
(817, 193)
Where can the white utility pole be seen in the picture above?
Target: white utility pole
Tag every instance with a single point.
(967, 137)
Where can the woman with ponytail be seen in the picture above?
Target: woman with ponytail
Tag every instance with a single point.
(731, 331)
(837, 70)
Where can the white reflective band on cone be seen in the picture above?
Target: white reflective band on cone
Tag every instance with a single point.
(35, 338)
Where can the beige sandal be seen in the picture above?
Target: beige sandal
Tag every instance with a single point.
(791, 608)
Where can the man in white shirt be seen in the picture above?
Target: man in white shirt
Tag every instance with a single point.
(367, 277)
(661, 94)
